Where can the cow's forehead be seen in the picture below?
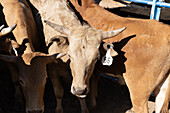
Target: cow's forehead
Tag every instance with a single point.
(85, 32)
(84, 38)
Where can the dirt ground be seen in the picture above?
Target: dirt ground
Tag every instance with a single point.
(112, 98)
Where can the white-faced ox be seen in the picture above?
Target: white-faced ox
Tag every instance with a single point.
(83, 50)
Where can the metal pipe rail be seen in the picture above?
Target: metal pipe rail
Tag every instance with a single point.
(156, 7)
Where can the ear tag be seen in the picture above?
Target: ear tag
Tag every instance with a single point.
(107, 59)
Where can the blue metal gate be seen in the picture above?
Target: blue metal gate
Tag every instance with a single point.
(156, 7)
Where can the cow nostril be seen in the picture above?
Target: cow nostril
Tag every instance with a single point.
(79, 91)
(74, 89)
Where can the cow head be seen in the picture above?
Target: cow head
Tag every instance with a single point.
(83, 50)
(32, 77)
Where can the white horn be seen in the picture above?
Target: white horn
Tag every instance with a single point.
(109, 34)
(5, 31)
(2, 26)
(58, 28)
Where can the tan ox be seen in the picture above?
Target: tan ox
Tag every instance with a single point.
(144, 54)
(83, 50)
(76, 41)
(28, 71)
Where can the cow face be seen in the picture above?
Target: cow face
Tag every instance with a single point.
(83, 50)
(32, 77)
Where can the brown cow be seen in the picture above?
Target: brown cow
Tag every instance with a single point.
(32, 77)
(26, 35)
(143, 61)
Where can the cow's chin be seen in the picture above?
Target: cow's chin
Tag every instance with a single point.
(81, 96)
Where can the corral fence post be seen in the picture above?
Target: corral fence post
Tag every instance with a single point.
(156, 7)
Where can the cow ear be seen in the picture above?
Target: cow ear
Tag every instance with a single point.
(108, 46)
(60, 40)
(7, 58)
(51, 58)
(59, 44)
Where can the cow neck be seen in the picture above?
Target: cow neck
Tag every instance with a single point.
(7, 2)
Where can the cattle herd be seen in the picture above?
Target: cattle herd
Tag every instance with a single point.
(46, 38)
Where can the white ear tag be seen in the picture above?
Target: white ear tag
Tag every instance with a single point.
(107, 59)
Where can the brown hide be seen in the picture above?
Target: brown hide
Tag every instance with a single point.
(143, 48)
(81, 43)
(32, 77)
(19, 12)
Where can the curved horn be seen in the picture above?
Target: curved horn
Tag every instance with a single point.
(5, 31)
(50, 58)
(109, 34)
(2, 26)
(58, 28)
(7, 58)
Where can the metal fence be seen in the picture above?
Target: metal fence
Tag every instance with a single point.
(156, 6)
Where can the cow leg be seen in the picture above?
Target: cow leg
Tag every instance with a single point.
(139, 94)
(84, 108)
(19, 99)
(140, 105)
(58, 89)
(93, 88)
(162, 93)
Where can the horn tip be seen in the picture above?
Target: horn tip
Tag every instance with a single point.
(13, 26)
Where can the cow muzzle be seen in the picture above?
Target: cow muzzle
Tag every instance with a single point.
(35, 111)
(79, 91)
